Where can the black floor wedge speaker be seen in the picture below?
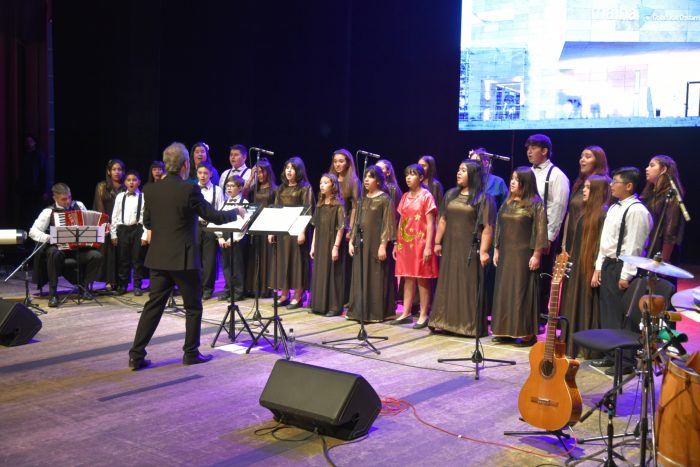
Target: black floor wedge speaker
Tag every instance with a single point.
(18, 324)
(338, 404)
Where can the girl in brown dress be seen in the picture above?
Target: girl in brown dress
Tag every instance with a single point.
(327, 280)
(293, 260)
(373, 286)
(106, 192)
(580, 298)
(259, 271)
(521, 237)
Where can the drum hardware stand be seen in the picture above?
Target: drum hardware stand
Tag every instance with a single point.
(24, 265)
(76, 234)
(362, 335)
(642, 428)
(477, 357)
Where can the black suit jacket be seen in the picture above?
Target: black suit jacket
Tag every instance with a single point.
(171, 210)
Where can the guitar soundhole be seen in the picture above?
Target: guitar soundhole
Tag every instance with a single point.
(547, 369)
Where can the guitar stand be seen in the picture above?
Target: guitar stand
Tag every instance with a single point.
(561, 436)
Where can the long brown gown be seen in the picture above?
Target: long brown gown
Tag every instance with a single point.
(377, 290)
(293, 262)
(328, 278)
(580, 302)
(456, 298)
(519, 231)
(263, 197)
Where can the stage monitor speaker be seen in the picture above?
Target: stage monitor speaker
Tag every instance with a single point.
(18, 324)
(338, 404)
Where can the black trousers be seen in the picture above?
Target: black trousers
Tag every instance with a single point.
(234, 274)
(612, 311)
(190, 284)
(130, 252)
(209, 247)
(89, 261)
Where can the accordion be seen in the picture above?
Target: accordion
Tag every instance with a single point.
(79, 218)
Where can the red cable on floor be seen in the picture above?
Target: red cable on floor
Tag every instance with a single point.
(392, 407)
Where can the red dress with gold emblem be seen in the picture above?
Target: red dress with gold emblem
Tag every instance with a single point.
(411, 236)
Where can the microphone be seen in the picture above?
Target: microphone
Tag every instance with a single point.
(369, 154)
(674, 187)
(263, 151)
(488, 154)
(12, 237)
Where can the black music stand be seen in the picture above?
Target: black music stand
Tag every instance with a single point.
(78, 234)
(241, 224)
(277, 221)
(25, 265)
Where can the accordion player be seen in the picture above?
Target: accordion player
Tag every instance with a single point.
(49, 263)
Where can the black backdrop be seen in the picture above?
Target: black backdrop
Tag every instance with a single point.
(300, 77)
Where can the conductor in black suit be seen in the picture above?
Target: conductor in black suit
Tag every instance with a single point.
(171, 209)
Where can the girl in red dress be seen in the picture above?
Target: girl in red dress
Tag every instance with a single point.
(413, 253)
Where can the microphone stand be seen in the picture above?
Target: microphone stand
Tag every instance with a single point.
(25, 265)
(259, 243)
(477, 356)
(359, 241)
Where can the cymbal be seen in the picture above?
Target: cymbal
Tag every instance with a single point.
(687, 300)
(658, 267)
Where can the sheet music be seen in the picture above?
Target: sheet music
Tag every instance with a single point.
(240, 222)
(273, 219)
(299, 225)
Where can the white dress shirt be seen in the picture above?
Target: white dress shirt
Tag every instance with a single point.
(130, 206)
(557, 197)
(40, 228)
(638, 224)
(214, 196)
(243, 171)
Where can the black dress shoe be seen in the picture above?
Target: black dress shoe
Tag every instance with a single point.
(626, 370)
(87, 295)
(602, 363)
(53, 301)
(138, 292)
(121, 290)
(405, 320)
(294, 306)
(526, 342)
(331, 314)
(422, 325)
(284, 302)
(206, 295)
(501, 339)
(199, 358)
(137, 363)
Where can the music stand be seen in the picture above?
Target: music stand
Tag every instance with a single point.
(241, 224)
(60, 234)
(277, 221)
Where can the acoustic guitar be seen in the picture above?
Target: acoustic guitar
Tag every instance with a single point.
(550, 399)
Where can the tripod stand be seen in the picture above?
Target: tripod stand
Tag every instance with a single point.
(25, 266)
(359, 256)
(477, 356)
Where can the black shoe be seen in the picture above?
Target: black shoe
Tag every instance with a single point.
(501, 339)
(121, 290)
(526, 342)
(199, 358)
(224, 297)
(405, 320)
(284, 302)
(331, 314)
(294, 306)
(137, 363)
(138, 292)
(87, 295)
(53, 301)
(422, 325)
(602, 363)
(626, 370)
(206, 295)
